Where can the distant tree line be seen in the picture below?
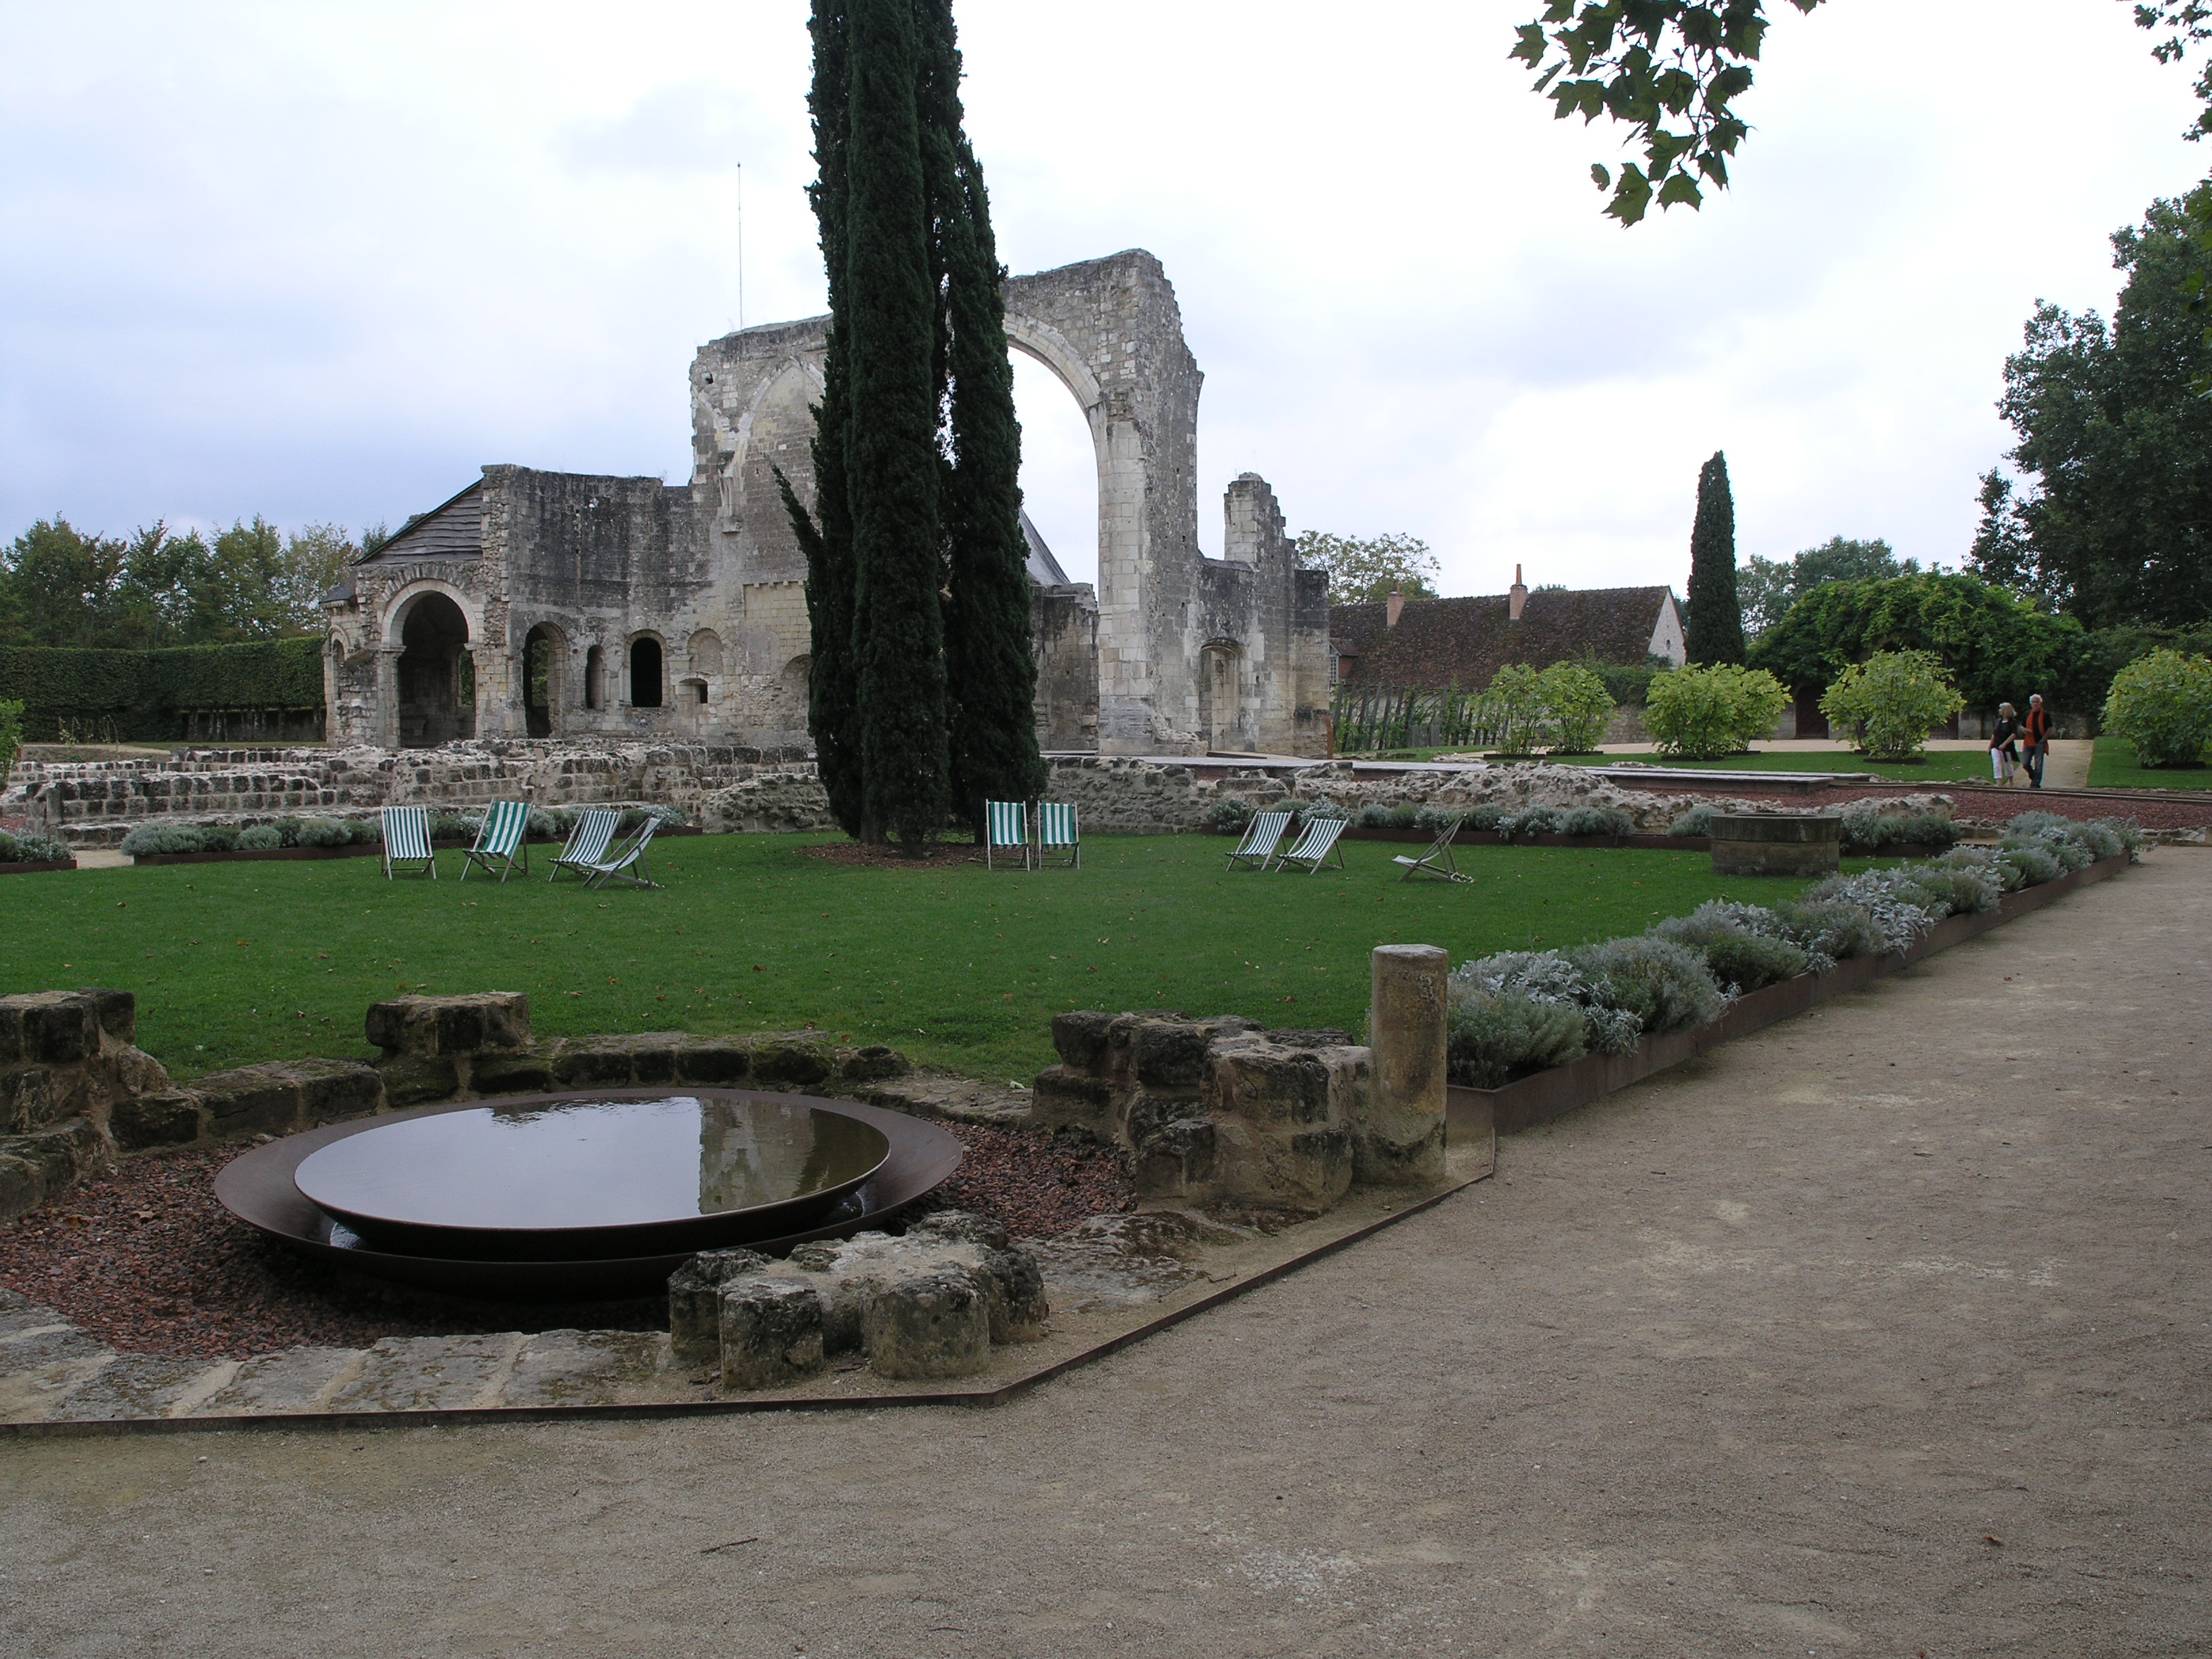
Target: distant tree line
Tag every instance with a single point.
(157, 587)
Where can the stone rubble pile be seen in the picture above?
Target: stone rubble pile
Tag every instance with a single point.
(930, 1304)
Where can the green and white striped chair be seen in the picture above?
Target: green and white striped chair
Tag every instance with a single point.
(587, 842)
(1316, 844)
(627, 864)
(1058, 832)
(1005, 826)
(501, 847)
(407, 840)
(1261, 837)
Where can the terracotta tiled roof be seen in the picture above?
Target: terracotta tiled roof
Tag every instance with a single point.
(1464, 642)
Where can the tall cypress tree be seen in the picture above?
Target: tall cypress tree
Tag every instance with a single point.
(891, 456)
(826, 539)
(991, 668)
(1715, 629)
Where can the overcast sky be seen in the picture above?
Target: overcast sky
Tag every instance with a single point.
(324, 262)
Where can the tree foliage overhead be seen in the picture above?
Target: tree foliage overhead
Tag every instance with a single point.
(1369, 571)
(157, 588)
(1766, 588)
(1671, 70)
(2111, 517)
(1997, 646)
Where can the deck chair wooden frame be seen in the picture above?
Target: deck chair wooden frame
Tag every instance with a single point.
(1005, 826)
(1317, 844)
(1058, 831)
(629, 858)
(1261, 837)
(502, 842)
(587, 842)
(407, 841)
(1437, 860)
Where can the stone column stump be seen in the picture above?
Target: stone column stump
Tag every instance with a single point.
(1401, 1139)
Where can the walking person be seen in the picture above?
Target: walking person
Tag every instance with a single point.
(2004, 744)
(2035, 740)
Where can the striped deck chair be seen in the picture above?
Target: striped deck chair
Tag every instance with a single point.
(1005, 826)
(1057, 832)
(1317, 846)
(629, 857)
(1261, 836)
(407, 840)
(502, 846)
(1437, 860)
(587, 842)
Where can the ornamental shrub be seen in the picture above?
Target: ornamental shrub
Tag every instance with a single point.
(261, 838)
(1228, 813)
(1698, 821)
(8, 854)
(1699, 713)
(155, 838)
(1866, 829)
(2128, 833)
(1832, 928)
(1373, 816)
(1577, 706)
(367, 832)
(1595, 821)
(322, 832)
(1735, 954)
(1528, 824)
(1891, 700)
(1518, 709)
(218, 837)
(1665, 985)
(1494, 1038)
(2161, 706)
(36, 849)
(1902, 914)
(1485, 818)
(1431, 820)
(2028, 864)
(1962, 890)
(1547, 976)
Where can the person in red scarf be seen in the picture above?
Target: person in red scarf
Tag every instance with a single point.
(2035, 740)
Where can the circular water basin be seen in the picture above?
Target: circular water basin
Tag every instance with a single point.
(586, 1177)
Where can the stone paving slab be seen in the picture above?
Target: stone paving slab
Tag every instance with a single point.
(132, 1385)
(430, 1373)
(296, 1380)
(584, 1368)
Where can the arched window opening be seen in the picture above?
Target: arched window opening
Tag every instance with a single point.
(542, 661)
(437, 676)
(595, 679)
(645, 673)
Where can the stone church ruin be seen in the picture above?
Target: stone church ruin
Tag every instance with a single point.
(561, 604)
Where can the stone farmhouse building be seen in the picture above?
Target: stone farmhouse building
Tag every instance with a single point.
(559, 604)
(1463, 643)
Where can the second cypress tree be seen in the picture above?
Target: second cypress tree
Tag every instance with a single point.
(990, 666)
(1714, 630)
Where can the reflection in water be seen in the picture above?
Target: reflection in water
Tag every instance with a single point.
(588, 1162)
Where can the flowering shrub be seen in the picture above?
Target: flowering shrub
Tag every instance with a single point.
(2161, 706)
(1891, 700)
(1699, 713)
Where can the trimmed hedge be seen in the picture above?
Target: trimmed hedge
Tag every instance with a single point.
(147, 694)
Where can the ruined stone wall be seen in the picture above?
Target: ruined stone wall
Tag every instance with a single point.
(1064, 622)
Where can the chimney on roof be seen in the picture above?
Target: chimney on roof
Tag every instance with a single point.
(1394, 608)
(1516, 596)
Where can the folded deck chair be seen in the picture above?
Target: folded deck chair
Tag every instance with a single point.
(1317, 846)
(1057, 832)
(587, 842)
(1437, 860)
(1005, 827)
(501, 848)
(1261, 836)
(626, 864)
(407, 840)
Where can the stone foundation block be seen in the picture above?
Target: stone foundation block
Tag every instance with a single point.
(1080, 1039)
(931, 1324)
(1269, 1086)
(251, 1100)
(770, 1333)
(1068, 1099)
(694, 1316)
(1772, 844)
(417, 1079)
(1014, 1301)
(34, 1167)
(871, 1064)
(714, 1064)
(58, 1027)
(1305, 1173)
(451, 1025)
(604, 1065)
(795, 1060)
(1178, 1160)
(331, 1090)
(171, 1118)
(511, 1074)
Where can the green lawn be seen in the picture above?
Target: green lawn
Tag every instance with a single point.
(960, 968)
(2113, 766)
(1937, 766)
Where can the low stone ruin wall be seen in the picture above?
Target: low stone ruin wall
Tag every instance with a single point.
(97, 803)
(70, 1067)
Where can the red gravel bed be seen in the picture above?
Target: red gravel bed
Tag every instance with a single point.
(146, 1259)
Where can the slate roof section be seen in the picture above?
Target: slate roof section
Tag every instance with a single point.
(1044, 570)
(452, 530)
(1464, 642)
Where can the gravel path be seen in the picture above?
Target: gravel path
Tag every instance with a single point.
(1884, 1332)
